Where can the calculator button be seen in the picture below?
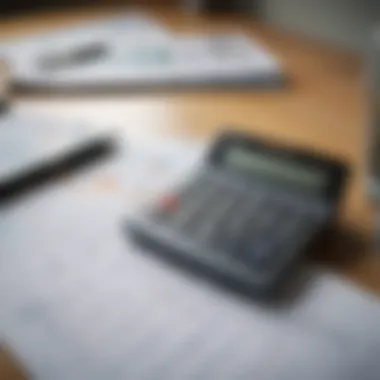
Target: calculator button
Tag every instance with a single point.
(187, 215)
(165, 207)
(196, 209)
(234, 229)
(192, 196)
(191, 190)
(169, 203)
(211, 227)
(206, 219)
(260, 224)
(294, 225)
(258, 255)
(232, 223)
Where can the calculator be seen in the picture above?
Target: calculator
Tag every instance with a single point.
(247, 214)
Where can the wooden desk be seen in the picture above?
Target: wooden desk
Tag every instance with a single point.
(9, 369)
(322, 108)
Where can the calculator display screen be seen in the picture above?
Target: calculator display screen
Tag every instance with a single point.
(272, 167)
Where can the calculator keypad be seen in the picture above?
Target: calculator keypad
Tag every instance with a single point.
(251, 228)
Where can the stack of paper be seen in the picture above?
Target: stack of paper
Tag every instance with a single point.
(135, 52)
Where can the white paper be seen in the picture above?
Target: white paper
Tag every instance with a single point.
(79, 301)
(28, 140)
(23, 54)
(146, 56)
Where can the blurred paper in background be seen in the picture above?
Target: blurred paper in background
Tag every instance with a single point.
(134, 51)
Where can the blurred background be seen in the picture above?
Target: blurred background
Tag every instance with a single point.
(346, 23)
(76, 296)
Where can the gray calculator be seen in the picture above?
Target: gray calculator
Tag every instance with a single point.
(247, 214)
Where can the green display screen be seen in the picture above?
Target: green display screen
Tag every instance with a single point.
(272, 167)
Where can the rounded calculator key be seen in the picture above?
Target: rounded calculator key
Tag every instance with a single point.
(169, 203)
(192, 210)
(258, 255)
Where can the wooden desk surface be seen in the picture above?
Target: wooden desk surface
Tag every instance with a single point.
(323, 108)
(9, 368)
